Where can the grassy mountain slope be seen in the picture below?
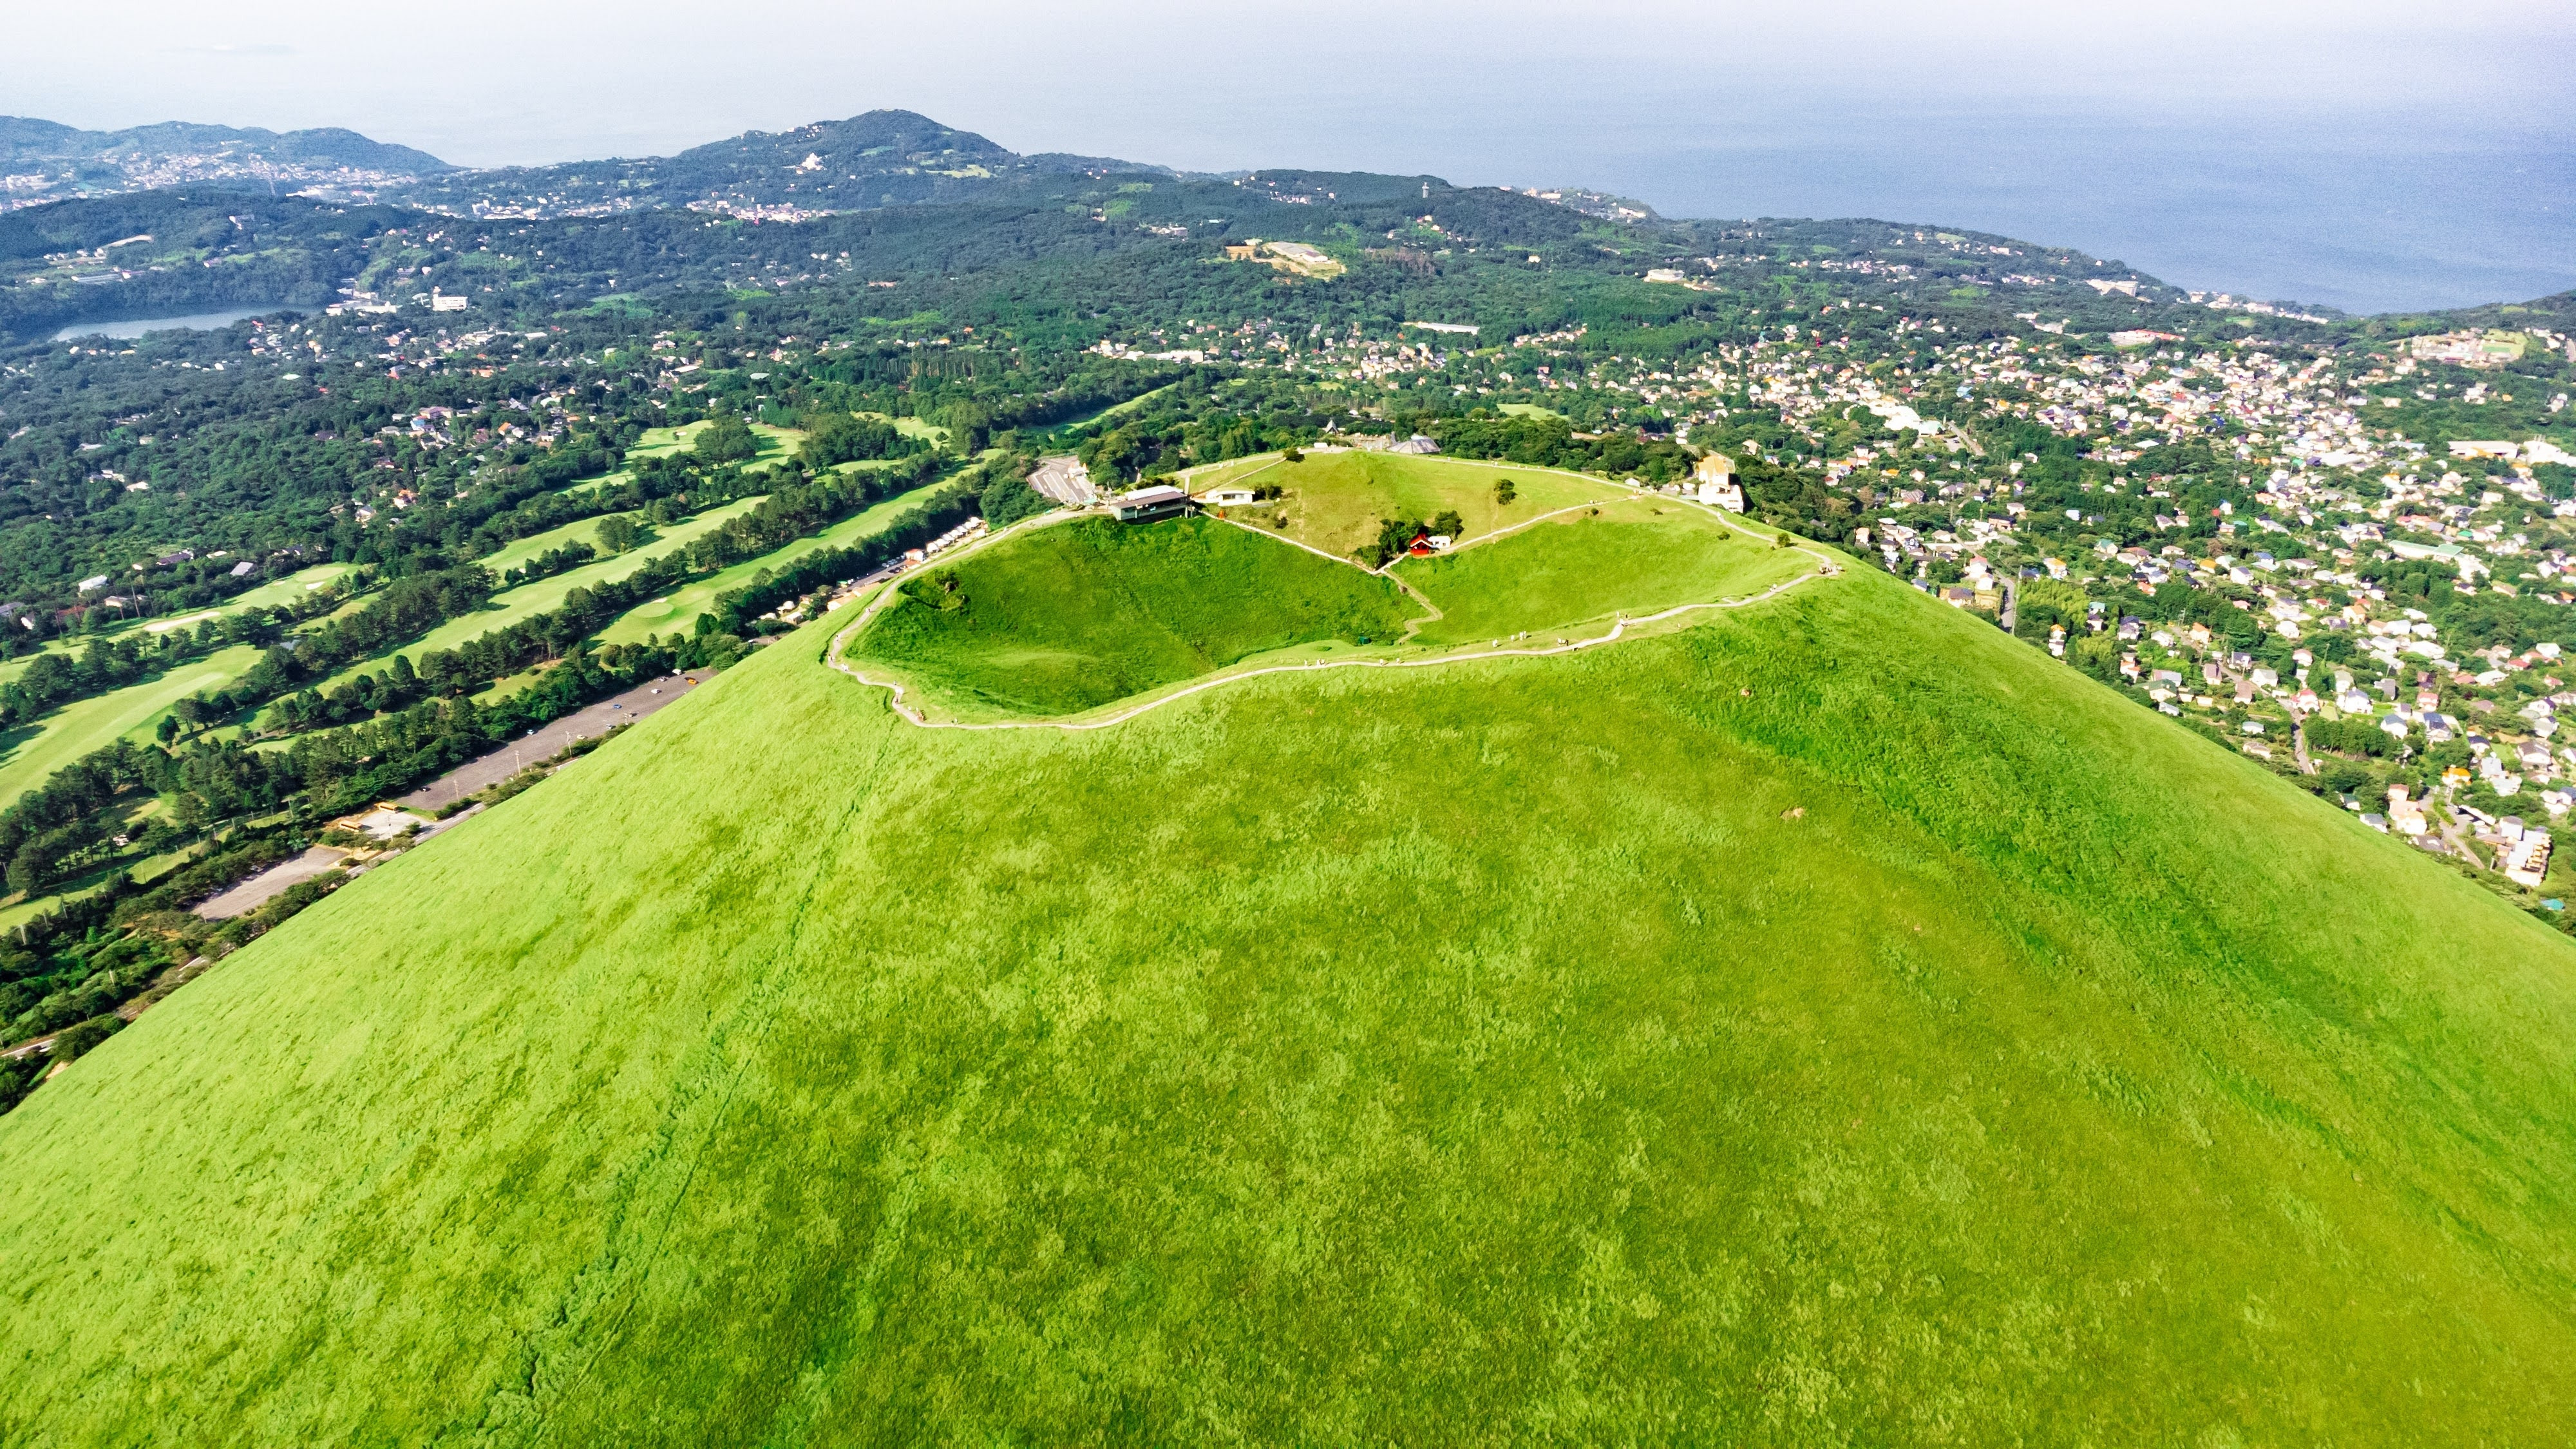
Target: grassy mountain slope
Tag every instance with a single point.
(1070, 617)
(1828, 1024)
(1634, 555)
(1333, 501)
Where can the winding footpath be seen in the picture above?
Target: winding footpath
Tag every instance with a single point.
(1825, 567)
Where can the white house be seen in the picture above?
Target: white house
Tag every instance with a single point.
(1718, 485)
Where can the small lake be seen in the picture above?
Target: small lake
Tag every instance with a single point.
(194, 322)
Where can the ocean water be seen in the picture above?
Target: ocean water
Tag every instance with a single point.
(2366, 220)
(2364, 210)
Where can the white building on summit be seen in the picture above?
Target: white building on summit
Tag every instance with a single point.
(1718, 485)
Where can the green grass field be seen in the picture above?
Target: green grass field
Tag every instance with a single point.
(777, 445)
(286, 590)
(1831, 1024)
(1070, 617)
(914, 428)
(1334, 500)
(1636, 556)
(266, 596)
(1118, 409)
(519, 550)
(678, 611)
(662, 442)
(512, 605)
(32, 752)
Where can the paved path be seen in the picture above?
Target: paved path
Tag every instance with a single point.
(540, 745)
(1826, 567)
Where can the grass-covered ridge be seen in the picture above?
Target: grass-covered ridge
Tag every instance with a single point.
(1829, 1024)
(1065, 618)
(1334, 501)
(1630, 556)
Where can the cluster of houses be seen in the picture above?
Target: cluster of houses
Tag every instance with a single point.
(2520, 852)
(958, 537)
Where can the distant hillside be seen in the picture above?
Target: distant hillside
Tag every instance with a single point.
(49, 161)
(1835, 1023)
(882, 158)
(174, 250)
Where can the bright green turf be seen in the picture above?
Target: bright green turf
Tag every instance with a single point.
(1636, 556)
(914, 428)
(777, 445)
(267, 595)
(678, 611)
(1066, 618)
(519, 550)
(662, 442)
(1117, 409)
(32, 752)
(1463, 1055)
(528, 600)
(1334, 500)
(289, 589)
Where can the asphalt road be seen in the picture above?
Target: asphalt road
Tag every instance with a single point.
(536, 746)
(256, 892)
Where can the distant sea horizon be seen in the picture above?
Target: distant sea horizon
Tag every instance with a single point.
(2366, 219)
(2364, 212)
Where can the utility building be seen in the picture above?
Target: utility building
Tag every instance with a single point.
(1147, 504)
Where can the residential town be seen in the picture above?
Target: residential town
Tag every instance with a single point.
(2397, 595)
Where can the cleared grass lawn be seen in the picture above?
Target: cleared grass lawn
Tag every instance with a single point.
(266, 596)
(678, 612)
(1636, 556)
(914, 428)
(287, 590)
(1334, 500)
(32, 752)
(1070, 617)
(1482, 1054)
(141, 872)
(519, 550)
(1113, 410)
(662, 442)
(512, 605)
(776, 445)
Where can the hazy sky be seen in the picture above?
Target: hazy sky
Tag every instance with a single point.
(1708, 108)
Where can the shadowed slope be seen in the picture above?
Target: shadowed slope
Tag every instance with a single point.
(1068, 617)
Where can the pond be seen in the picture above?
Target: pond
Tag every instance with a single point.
(136, 327)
